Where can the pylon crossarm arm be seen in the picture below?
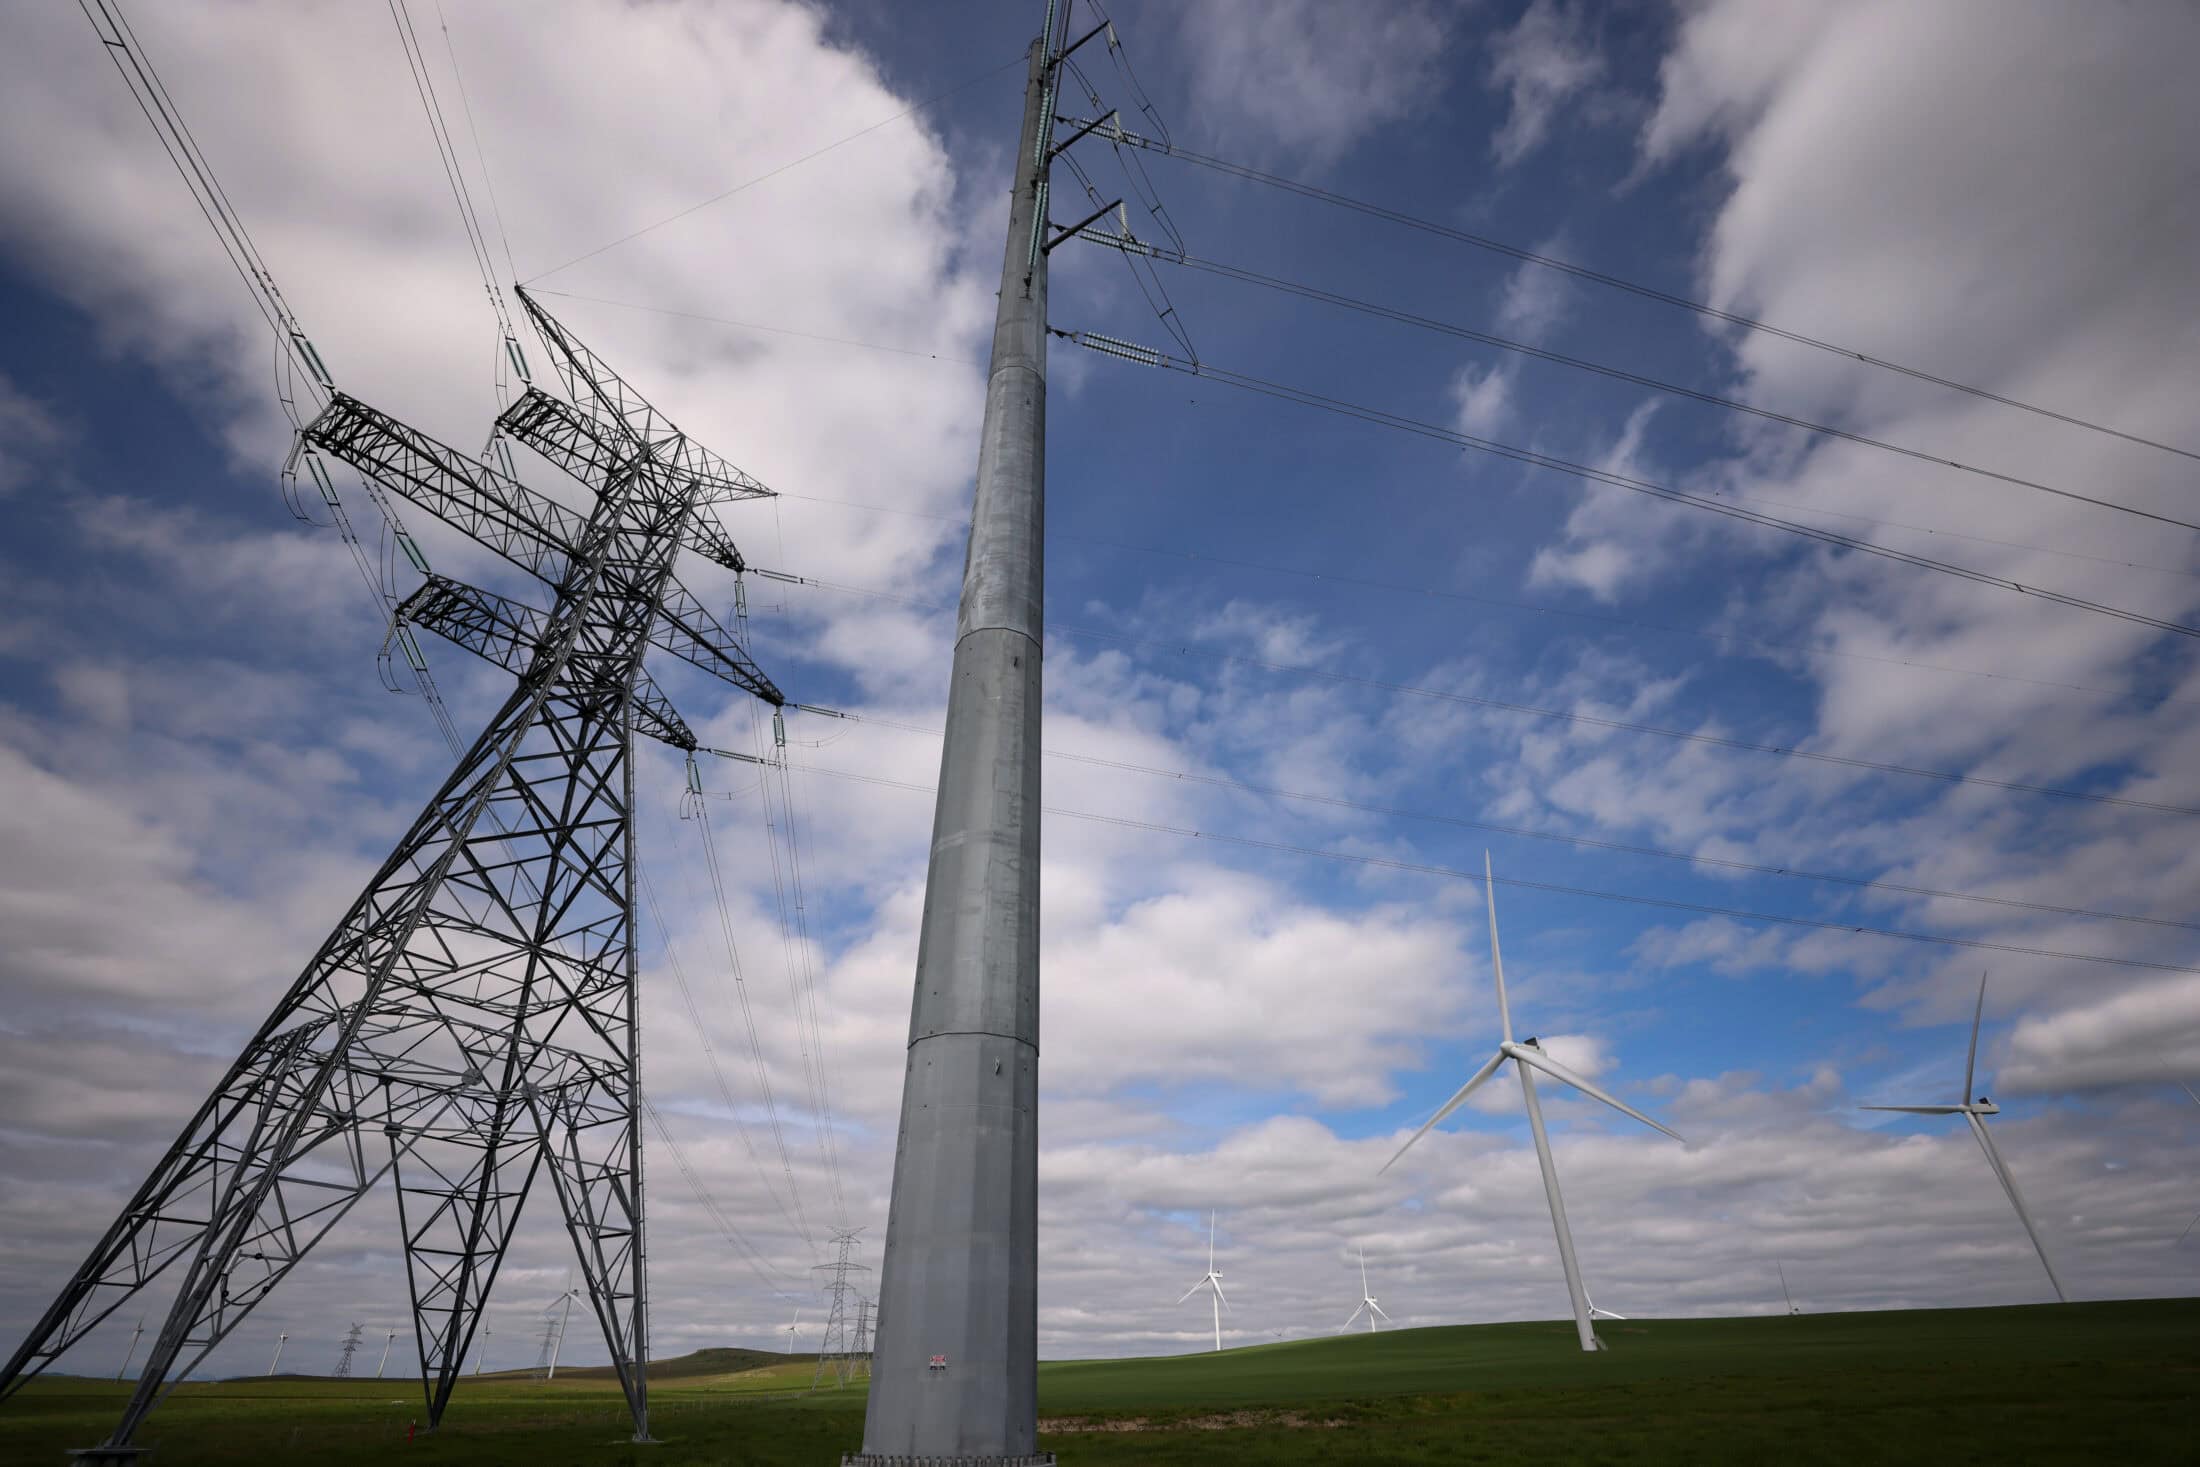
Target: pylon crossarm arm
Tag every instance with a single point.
(703, 535)
(596, 457)
(689, 632)
(511, 634)
(600, 392)
(531, 530)
(715, 480)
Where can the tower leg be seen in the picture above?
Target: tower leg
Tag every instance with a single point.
(1574, 1289)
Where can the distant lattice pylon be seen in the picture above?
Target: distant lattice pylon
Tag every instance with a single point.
(351, 1348)
(836, 1347)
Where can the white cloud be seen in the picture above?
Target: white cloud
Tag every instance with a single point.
(30, 434)
(2149, 1034)
(1311, 78)
(1537, 301)
(1542, 64)
(1482, 400)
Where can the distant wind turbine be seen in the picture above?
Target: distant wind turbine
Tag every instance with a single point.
(1975, 1112)
(1784, 1294)
(1212, 1280)
(1598, 1312)
(380, 1364)
(564, 1305)
(794, 1329)
(138, 1333)
(1528, 1057)
(2195, 1223)
(279, 1342)
(1368, 1306)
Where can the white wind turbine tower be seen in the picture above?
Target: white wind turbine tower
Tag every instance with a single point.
(793, 1329)
(1211, 1280)
(1975, 1112)
(1368, 1306)
(1528, 1057)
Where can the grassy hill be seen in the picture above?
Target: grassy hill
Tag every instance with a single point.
(2116, 1382)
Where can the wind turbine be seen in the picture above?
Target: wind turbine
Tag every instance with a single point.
(1784, 1294)
(380, 1364)
(1528, 1057)
(279, 1341)
(557, 1343)
(1596, 1311)
(794, 1329)
(1211, 1280)
(1368, 1306)
(138, 1333)
(1975, 1111)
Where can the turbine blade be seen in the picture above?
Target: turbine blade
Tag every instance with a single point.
(1918, 1110)
(1225, 1298)
(1363, 1272)
(1377, 1308)
(2016, 1200)
(1355, 1319)
(1457, 1099)
(1191, 1291)
(2190, 1091)
(1559, 1072)
(1497, 959)
(2195, 1223)
(1970, 1060)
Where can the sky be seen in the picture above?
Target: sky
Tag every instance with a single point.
(200, 767)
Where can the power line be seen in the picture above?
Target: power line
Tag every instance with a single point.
(1563, 715)
(700, 813)
(1390, 863)
(1483, 242)
(900, 351)
(794, 937)
(1216, 781)
(931, 101)
(718, 1073)
(919, 353)
(1303, 397)
(720, 1219)
(481, 157)
(1583, 364)
(1408, 588)
(294, 351)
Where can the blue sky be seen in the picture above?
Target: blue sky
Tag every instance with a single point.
(202, 766)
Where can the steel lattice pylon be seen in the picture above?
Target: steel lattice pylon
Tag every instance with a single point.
(837, 1347)
(473, 1017)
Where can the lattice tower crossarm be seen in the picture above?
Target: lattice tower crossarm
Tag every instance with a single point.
(472, 1019)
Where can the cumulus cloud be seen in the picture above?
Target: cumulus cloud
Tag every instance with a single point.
(1541, 64)
(30, 433)
(1310, 78)
(1482, 400)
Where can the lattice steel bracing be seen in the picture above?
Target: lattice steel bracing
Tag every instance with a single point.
(472, 1020)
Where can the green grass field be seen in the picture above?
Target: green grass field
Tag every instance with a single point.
(2116, 1382)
